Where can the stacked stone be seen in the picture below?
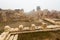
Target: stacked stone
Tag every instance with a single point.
(21, 27)
(32, 27)
(7, 28)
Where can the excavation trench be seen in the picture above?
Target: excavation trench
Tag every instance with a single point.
(37, 36)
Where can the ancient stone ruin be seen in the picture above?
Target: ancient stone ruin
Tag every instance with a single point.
(34, 25)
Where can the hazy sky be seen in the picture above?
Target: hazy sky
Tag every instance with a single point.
(28, 5)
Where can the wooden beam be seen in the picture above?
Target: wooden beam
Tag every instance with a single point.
(15, 37)
(42, 30)
(8, 37)
(49, 20)
(11, 37)
(3, 35)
